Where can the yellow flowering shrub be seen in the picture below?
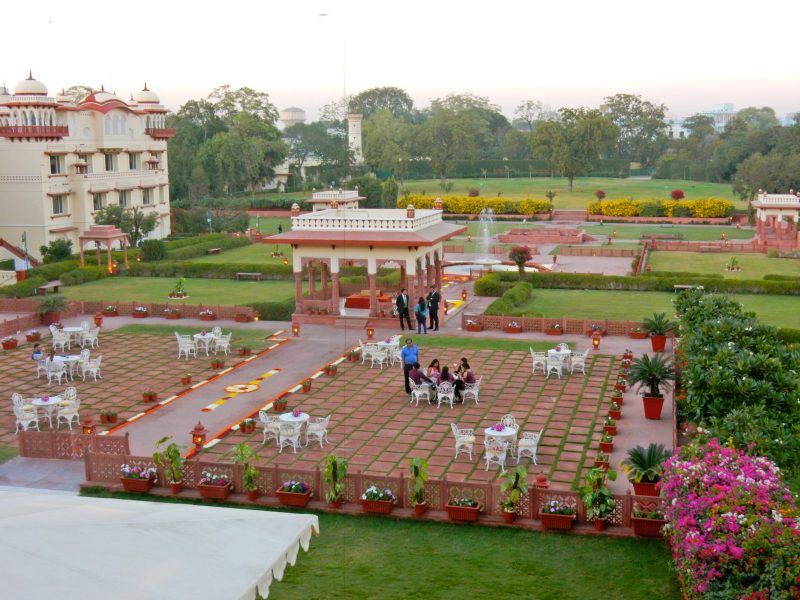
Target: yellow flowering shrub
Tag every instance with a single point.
(704, 208)
(532, 207)
(700, 208)
(466, 205)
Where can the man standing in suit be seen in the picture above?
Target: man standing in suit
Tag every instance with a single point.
(434, 297)
(402, 308)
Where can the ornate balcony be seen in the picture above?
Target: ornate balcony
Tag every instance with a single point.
(34, 132)
(160, 133)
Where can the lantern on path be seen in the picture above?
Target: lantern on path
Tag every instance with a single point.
(88, 427)
(199, 436)
(596, 340)
(295, 329)
(370, 332)
(464, 295)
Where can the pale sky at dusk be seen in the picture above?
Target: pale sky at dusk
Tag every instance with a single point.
(689, 55)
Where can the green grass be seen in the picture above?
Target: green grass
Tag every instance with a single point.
(478, 343)
(252, 337)
(780, 311)
(201, 291)
(617, 245)
(7, 453)
(356, 558)
(583, 189)
(269, 225)
(254, 253)
(691, 233)
(754, 266)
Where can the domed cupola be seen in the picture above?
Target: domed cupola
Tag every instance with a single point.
(30, 87)
(146, 96)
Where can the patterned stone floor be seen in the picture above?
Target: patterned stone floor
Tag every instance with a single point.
(376, 428)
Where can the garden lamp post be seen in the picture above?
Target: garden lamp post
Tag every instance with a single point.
(88, 427)
(464, 295)
(199, 436)
(596, 340)
(295, 329)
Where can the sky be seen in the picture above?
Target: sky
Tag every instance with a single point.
(688, 55)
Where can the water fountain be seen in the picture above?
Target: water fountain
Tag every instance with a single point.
(486, 218)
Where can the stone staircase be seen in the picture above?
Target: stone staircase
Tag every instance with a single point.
(569, 215)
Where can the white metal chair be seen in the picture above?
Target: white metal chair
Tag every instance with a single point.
(420, 391)
(271, 425)
(539, 359)
(445, 394)
(289, 435)
(495, 453)
(367, 350)
(186, 345)
(318, 428)
(56, 370)
(380, 356)
(41, 366)
(92, 366)
(394, 355)
(579, 361)
(68, 410)
(216, 331)
(555, 364)
(528, 444)
(472, 389)
(25, 413)
(465, 440)
(222, 343)
(61, 340)
(90, 338)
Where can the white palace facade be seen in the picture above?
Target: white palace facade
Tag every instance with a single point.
(61, 162)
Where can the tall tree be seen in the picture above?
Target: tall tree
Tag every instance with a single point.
(133, 221)
(306, 140)
(530, 112)
(449, 135)
(642, 126)
(773, 173)
(386, 140)
(575, 143)
(393, 99)
(76, 93)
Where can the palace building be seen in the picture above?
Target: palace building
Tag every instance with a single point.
(61, 162)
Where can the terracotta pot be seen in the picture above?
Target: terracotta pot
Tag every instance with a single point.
(610, 429)
(474, 328)
(242, 319)
(136, 485)
(173, 316)
(10, 344)
(419, 509)
(50, 318)
(214, 492)
(647, 527)
(618, 399)
(244, 351)
(627, 356)
(658, 342)
(645, 488)
(509, 516)
(599, 524)
(330, 370)
(551, 521)
(553, 331)
(149, 396)
(381, 507)
(186, 380)
(217, 364)
(103, 419)
(509, 329)
(463, 513)
(652, 406)
(606, 447)
(306, 387)
(208, 317)
(637, 335)
(33, 337)
(139, 315)
(601, 464)
(279, 406)
(615, 414)
(336, 503)
(112, 418)
(253, 495)
(620, 387)
(176, 487)
(110, 313)
(294, 498)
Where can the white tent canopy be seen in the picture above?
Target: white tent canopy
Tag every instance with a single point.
(63, 546)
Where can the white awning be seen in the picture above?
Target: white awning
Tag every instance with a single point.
(70, 547)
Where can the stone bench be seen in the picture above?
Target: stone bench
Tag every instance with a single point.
(213, 250)
(253, 276)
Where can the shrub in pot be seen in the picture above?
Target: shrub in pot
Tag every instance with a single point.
(596, 496)
(243, 455)
(657, 327)
(644, 466)
(515, 485)
(335, 479)
(419, 475)
(50, 308)
(171, 461)
(653, 374)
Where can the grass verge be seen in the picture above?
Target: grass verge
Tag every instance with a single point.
(255, 338)
(7, 453)
(478, 343)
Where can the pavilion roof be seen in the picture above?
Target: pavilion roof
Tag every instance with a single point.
(427, 236)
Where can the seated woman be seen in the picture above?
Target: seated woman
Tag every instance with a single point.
(446, 375)
(464, 376)
(433, 371)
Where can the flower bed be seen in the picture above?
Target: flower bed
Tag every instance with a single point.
(294, 493)
(378, 501)
(557, 515)
(463, 509)
(733, 525)
(213, 486)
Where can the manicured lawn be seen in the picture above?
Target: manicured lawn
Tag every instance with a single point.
(7, 453)
(254, 338)
(753, 266)
(269, 225)
(691, 233)
(583, 189)
(254, 253)
(372, 557)
(780, 311)
(479, 342)
(201, 291)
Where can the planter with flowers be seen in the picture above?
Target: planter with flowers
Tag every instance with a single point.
(621, 384)
(244, 350)
(294, 493)
(10, 342)
(108, 416)
(149, 396)
(554, 329)
(217, 364)
(601, 461)
(473, 326)
(637, 333)
(214, 486)
(614, 411)
(306, 386)
(617, 397)
(247, 426)
(627, 355)
(648, 523)
(512, 327)
(279, 405)
(110, 311)
(137, 479)
(557, 515)
(32, 335)
(610, 426)
(172, 313)
(330, 370)
(186, 379)
(462, 508)
(207, 315)
(140, 312)
(606, 443)
(378, 501)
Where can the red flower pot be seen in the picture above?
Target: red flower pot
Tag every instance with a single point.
(214, 492)
(551, 521)
(252, 495)
(620, 387)
(141, 486)
(176, 487)
(645, 488)
(419, 509)
(381, 507)
(601, 464)
(658, 342)
(110, 313)
(463, 513)
(33, 337)
(647, 527)
(509, 329)
(336, 503)
(475, 327)
(553, 331)
(139, 315)
(51, 318)
(242, 319)
(653, 406)
(296, 499)
(10, 344)
(606, 447)
(149, 396)
(599, 524)
(610, 429)
(615, 414)
(172, 316)
(186, 380)
(638, 335)
(208, 317)
(509, 516)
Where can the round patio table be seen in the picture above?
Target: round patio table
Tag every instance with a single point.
(507, 432)
(290, 418)
(48, 405)
(204, 339)
(70, 360)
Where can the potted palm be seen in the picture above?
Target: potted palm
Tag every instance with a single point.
(657, 326)
(419, 475)
(50, 308)
(335, 479)
(513, 487)
(652, 374)
(244, 455)
(596, 497)
(171, 460)
(644, 466)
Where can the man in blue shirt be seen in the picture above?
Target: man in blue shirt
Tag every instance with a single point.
(409, 355)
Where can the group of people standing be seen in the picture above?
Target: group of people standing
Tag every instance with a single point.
(435, 374)
(426, 308)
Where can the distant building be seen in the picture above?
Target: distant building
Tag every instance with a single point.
(676, 130)
(790, 119)
(722, 115)
(61, 162)
(354, 137)
(292, 116)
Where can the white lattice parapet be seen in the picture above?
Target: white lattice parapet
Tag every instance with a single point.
(365, 220)
(778, 200)
(335, 195)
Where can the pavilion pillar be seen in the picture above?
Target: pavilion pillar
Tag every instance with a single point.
(335, 286)
(410, 277)
(403, 282)
(428, 272)
(312, 284)
(323, 268)
(108, 254)
(298, 291)
(372, 277)
(437, 272)
(420, 283)
(80, 247)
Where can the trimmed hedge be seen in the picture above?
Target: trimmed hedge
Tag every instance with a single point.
(203, 270)
(286, 203)
(174, 244)
(24, 288)
(199, 249)
(83, 275)
(788, 335)
(274, 311)
(773, 277)
(515, 296)
(684, 274)
(701, 208)
(53, 271)
(472, 205)
(498, 283)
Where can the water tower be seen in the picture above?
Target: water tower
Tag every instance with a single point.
(292, 116)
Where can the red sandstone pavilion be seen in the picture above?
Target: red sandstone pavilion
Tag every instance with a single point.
(776, 220)
(343, 234)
